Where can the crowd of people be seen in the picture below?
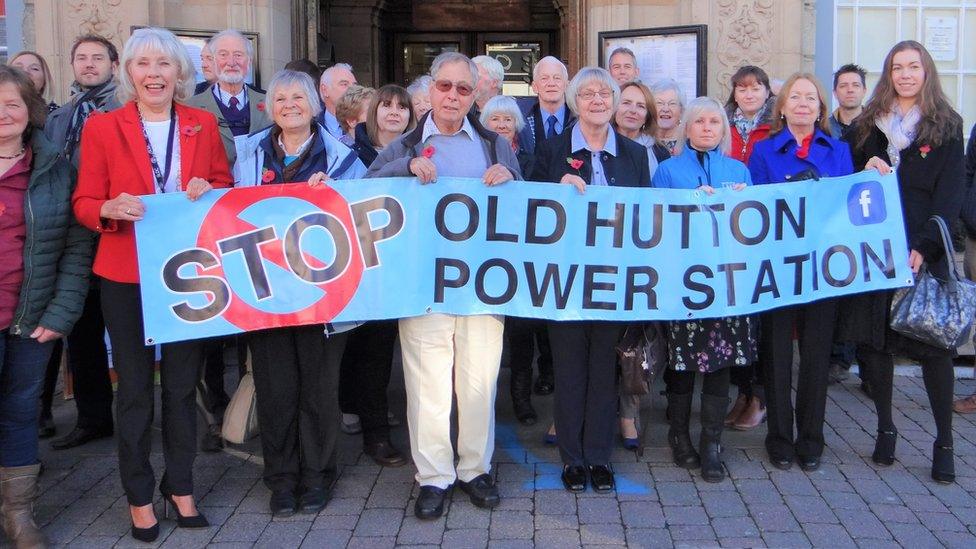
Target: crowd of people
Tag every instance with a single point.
(138, 123)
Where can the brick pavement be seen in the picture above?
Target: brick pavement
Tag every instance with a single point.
(849, 502)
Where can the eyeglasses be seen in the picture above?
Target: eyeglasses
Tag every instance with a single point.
(669, 104)
(589, 95)
(445, 86)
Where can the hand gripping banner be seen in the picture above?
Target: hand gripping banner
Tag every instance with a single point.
(283, 255)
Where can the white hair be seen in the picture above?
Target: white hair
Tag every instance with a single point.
(451, 57)
(493, 67)
(285, 78)
(233, 33)
(326, 78)
(502, 104)
(421, 84)
(158, 40)
(697, 107)
(667, 84)
(549, 59)
(589, 75)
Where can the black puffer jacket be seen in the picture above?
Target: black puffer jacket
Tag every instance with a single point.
(57, 250)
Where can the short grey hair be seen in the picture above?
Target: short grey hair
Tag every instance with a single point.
(549, 59)
(326, 78)
(697, 107)
(493, 67)
(502, 104)
(285, 78)
(622, 51)
(668, 84)
(589, 75)
(421, 84)
(233, 33)
(162, 41)
(451, 57)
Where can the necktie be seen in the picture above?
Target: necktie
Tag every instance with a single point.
(234, 103)
(550, 126)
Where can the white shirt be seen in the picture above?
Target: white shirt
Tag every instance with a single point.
(157, 132)
(224, 97)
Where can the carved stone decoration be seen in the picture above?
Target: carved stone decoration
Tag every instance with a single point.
(745, 30)
(101, 17)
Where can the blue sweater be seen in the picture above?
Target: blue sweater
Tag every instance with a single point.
(774, 159)
(686, 171)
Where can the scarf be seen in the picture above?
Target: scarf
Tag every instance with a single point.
(899, 128)
(86, 102)
(804, 149)
(289, 172)
(745, 126)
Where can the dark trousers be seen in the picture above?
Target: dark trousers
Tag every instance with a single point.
(178, 373)
(365, 375)
(296, 379)
(523, 335)
(21, 376)
(586, 392)
(713, 383)
(88, 363)
(749, 379)
(814, 323)
(211, 394)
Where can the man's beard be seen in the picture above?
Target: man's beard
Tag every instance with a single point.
(233, 79)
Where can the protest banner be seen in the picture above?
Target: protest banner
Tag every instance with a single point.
(282, 255)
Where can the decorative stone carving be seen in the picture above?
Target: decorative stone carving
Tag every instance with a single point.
(745, 30)
(101, 17)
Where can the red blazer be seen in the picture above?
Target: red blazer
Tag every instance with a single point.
(114, 159)
(742, 150)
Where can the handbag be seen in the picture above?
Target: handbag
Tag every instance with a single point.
(241, 418)
(937, 312)
(641, 353)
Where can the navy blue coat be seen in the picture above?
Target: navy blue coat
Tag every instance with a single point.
(627, 169)
(774, 159)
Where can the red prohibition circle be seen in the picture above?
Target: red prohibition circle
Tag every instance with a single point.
(223, 221)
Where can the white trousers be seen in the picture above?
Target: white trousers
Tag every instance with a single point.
(443, 356)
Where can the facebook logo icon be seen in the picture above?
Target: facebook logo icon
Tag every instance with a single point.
(866, 203)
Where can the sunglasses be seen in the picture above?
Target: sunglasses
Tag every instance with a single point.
(445, 86)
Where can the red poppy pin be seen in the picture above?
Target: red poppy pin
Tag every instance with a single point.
(190, 131)
(267, 176)
(3, 208)
(260, 106)
(924, 150)
(574, 163)
(427, 152)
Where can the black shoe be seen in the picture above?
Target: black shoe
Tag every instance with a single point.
(710, 442)
(384, 453)
(482, 491)
(574, 478)
(47, 429)
(837, 374)
(524, 412)
(213, 440)
(146, 535)
(943, 467)
(783, 463)
(313, 500)
(283, 503)
(867, 389)
(544, 386)
(195, 521)
(430, 503)
(601, 477)
(808, 463)
(79, 436)
(679, 439)
(884, 447)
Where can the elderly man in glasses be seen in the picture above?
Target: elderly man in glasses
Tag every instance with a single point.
(443, 354)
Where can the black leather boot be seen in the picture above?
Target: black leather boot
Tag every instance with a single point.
(710, 444)
(521, 387)
(679, 412)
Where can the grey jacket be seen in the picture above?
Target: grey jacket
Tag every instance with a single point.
(259, 119)
(394, 160)
(56, 127)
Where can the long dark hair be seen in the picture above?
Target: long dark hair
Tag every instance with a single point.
(388, 93)
(745, 73)
(939, 120)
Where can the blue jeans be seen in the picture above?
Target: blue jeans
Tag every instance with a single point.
(22, 362)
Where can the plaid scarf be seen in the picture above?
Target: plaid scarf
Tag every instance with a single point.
(744, 125)
(86, 102)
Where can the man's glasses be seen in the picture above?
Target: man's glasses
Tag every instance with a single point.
(445, 86)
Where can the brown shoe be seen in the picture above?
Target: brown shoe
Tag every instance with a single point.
(737, 409)
(751, 417)
(965, 405)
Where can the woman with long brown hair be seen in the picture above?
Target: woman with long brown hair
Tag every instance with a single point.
(910, 125)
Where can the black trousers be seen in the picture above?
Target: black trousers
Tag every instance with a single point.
(88, 363)
(523, 335)
(814, 324)
(134, 364)
(586, 389)
(296, 379)
(211, 394)
(365, 375)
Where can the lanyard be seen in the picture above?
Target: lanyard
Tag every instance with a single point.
(161, 176)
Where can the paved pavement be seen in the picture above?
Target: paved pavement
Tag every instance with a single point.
(849, 502)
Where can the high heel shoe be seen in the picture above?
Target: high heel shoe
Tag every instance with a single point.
(884, 447)
(195, 521)
(943, 467)
(145, 535)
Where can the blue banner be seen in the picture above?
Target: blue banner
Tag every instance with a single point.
(281, 255)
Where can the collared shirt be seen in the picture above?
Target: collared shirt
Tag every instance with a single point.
(224, 97)
(610, 147)
(461, 154)
(560, 115)
(331, 123)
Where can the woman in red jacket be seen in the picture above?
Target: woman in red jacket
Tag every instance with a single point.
(153, 144)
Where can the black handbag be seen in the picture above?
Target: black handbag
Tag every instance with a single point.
(937, 312)
(641, 353)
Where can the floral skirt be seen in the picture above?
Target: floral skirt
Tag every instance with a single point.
(710, 344)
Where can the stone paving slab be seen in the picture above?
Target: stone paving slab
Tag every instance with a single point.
(849, 502)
